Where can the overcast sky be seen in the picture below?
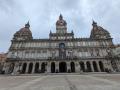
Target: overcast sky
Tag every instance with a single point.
(43, 14)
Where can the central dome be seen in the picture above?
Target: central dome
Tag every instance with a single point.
(61, 22)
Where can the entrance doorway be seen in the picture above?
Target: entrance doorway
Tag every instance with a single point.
(36, 68)
(30, 68)
(62, 67)
(101, 66)
(24, 67)
(95, 66)
(52, 67)
(82, 67)
(72, 67)
(88, 67)
(43, 67)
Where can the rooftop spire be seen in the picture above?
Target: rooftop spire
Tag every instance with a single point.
(60, 17)
(50, 32)
(94, 23)
(27, 25)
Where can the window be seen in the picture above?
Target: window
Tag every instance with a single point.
(62, 45)
(44, 51)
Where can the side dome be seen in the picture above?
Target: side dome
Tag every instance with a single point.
(99, 32)
(24, 33)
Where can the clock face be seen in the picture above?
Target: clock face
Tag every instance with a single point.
(61, 23)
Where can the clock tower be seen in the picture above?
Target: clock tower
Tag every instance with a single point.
(61, 25)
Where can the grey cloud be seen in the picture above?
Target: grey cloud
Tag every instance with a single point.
(6, 5)
(44, 13)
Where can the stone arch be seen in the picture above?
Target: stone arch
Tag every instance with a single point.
(101, 66)
(72, 65)
(95, 66)
(24, 67)
(62, 67)
(30, 68)
(53, 67)
(43, 67)
(36, 67)
(88, 66)
(82, 66)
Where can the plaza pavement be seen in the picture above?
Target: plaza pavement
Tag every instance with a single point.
(61, 82)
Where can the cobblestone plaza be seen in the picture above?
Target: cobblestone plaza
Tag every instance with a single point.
(61, 82)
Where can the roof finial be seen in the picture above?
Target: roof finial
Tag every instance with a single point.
(50, 32)
(94, 23)
(27, 25)
(60, 17)
(72, 31)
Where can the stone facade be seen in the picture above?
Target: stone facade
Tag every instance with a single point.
(116, 51)
(61, 52)
(3, 57)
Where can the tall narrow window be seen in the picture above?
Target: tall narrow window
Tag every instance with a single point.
(62, 51)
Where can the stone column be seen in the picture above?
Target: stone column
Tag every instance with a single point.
(118, 65)
(48, 67)
(27, 67)
(6, 68)
(85, 65)
(40, 66)
(68, 66)
(21, 66)
(16, 67)
(77, 67)
(33, 69)
(110, 66)
(98, 67)
(91, 64)
(57, 66)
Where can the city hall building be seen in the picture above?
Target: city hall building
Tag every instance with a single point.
(61, 52)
